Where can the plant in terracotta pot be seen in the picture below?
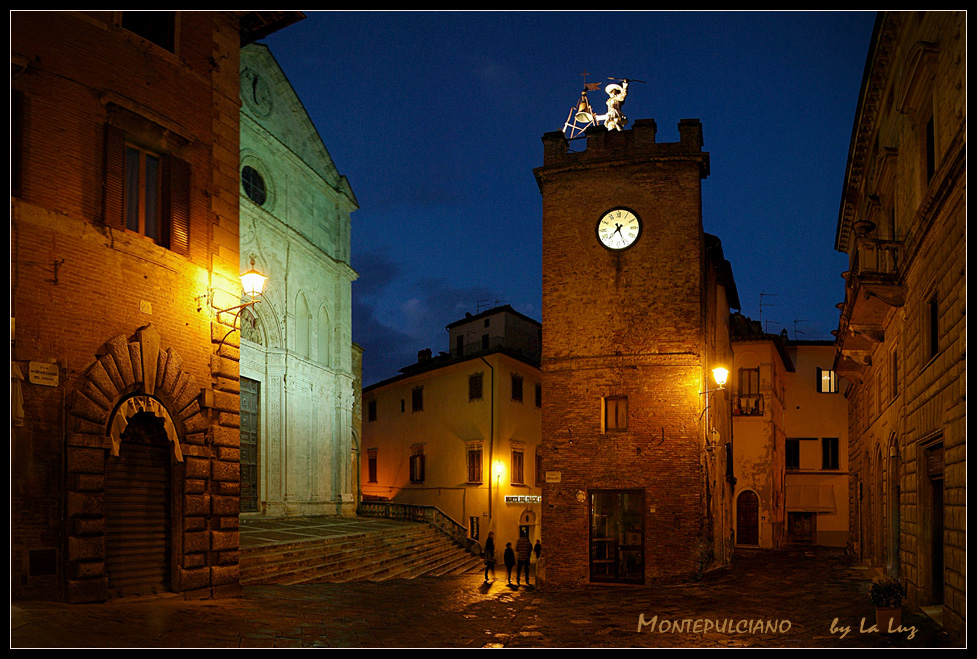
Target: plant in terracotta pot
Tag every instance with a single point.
(887, 594)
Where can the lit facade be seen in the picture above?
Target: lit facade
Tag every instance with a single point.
(901, 340)
(297, 363)
(790, 423)
(460, 431)
(758, 395)
(124, 248)
(816, 454)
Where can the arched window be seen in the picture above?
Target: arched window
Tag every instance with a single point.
(324, 329)
(302, 320)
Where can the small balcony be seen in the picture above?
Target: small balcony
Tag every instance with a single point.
(872, 292)
(748, 405)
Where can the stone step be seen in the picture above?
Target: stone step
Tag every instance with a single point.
(406, 552)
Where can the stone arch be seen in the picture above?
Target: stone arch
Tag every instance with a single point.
(131, 378)
(139, 369)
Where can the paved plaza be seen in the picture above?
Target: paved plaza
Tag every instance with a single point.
(782, 598)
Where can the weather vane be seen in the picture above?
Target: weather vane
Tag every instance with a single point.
(582, 115)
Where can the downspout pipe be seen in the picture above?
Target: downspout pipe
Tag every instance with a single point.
(491, 433)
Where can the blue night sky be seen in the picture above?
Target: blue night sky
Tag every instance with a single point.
(436, 118)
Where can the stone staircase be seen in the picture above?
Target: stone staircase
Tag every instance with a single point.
(408, 551)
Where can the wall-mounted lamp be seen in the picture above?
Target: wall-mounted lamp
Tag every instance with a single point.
(253, 283)
(720, 374)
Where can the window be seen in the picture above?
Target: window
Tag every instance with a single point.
(749, 381)
(539, 465)
(146, 191)
(894, 373)
(748, 401)
(516, 471)
(417, 464)
(932, 326)
(460, 345)
(371, 410)
(417, 399)
(539, 395)
(517, 387)
(615, 413)
(485, 341)
(158, 27)
(142, 192)
(792, 458)
(930, 146)
(827, 381)
(475, 464)
(371, 456)
(829, 453)
(254, 185)
(475, 386)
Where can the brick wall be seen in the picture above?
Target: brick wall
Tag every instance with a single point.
(77, 285)
(627, 323)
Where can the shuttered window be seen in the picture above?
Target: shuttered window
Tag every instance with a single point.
(146, 192)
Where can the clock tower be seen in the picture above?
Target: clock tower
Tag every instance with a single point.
(636, 298)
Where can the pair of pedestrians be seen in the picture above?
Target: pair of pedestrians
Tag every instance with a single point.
(520, 558)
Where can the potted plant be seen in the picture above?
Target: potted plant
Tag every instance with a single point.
(887, 594)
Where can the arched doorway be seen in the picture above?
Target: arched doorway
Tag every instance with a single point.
(747, 518)
(138, 510)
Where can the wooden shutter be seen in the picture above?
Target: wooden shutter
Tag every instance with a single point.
(176, 200)
(114, 192)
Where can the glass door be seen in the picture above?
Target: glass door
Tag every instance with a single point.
(617, 536)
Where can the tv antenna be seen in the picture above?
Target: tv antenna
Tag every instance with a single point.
(764, 304)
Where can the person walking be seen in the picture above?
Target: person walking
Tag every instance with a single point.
(509, 557)
(490, 555)
(537, 550)
(523, 550)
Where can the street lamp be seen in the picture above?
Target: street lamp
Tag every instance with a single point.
(253, 283)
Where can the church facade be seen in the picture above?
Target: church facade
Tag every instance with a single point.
(297, 356)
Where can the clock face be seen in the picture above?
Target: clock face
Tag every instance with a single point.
(618, 228)
(255, 92)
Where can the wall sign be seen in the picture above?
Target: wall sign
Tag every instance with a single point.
(43, 373)
(528, 498)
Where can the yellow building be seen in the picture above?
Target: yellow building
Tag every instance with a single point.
(901, 339)
(816, 455)
(460, 432)
(757, 392)
(790, 441)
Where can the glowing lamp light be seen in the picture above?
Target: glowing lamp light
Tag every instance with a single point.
(253, 281)
(720, 374)
(499, 468)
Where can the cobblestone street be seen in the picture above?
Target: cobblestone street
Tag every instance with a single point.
(801, 599)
